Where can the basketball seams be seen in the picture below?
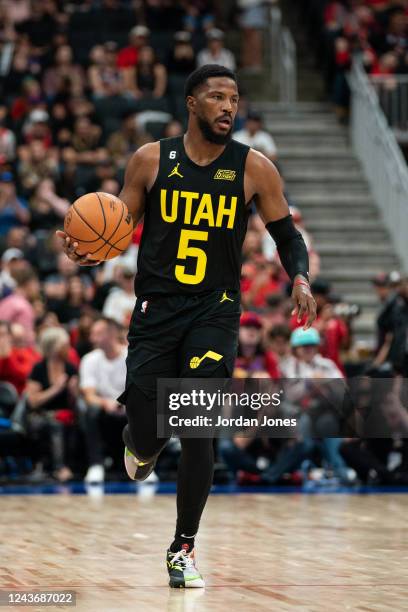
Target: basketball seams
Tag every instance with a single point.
(103, 212)
(112, 246)
(90, 226)
(118, 224)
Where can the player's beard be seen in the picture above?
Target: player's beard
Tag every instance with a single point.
(210, 135)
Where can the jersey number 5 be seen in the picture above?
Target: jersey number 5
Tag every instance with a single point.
(186, 250)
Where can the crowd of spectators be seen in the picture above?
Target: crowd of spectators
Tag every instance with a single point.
(375, 29)
(84, 84)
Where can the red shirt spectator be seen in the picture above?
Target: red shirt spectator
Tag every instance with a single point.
(15, 363)
(128, 56)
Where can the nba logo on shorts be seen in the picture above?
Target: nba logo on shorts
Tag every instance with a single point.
(144, 306)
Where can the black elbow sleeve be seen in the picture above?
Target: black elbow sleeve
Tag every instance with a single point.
(291, 246)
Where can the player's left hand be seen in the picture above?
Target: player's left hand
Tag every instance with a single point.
(304, 302)
(70, 246)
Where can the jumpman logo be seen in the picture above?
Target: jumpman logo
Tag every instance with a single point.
(175, 171)
(225, 298)
(195, 361)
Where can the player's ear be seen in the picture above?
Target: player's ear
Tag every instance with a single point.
(191, 103)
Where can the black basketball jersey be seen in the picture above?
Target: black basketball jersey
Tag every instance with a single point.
(195, 223)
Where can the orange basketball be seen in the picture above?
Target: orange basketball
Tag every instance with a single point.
(101, 225)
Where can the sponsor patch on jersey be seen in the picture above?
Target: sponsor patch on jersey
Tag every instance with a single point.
(225, 175)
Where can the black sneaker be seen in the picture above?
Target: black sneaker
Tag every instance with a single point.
(182, 570)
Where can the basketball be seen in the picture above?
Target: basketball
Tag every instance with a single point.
(194, 362)
(101, 225)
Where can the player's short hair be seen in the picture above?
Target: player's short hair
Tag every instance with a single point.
(199, 76)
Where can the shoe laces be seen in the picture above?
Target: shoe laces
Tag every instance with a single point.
(184, 559)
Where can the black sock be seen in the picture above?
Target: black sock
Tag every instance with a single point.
(185, 542)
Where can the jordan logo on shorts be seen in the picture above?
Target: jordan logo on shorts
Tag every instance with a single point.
(195, 361)
(175, 171)
(225, 298)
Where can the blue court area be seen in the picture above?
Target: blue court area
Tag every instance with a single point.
(166, 488)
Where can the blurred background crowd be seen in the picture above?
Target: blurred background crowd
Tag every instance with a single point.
(376, 30)
(82, 86)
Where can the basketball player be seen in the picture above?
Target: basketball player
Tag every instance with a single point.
(194, 192)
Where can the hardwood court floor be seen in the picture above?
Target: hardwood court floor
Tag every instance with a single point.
(256, 552)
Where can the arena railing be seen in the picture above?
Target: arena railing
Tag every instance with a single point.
(381, 158)
(283, 58)
(392, 92)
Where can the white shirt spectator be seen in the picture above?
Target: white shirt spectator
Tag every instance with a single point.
(106, 376)
(223, 58)
(319, 367)
(119, 306)
(260, 141)
(7, 144)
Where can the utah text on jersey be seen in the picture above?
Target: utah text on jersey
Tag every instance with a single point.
(215, 211)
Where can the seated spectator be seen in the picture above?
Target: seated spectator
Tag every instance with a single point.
(85, 139)
(310, 365)
(36, 162)
(52, 392)
(105, 78)
(61, 122)
(252, 20)
(252, 356)
(334, 330)
(309, 362)
(138, 38)
(64, 78)
(103, 170)
(102, 379)
(181, 60)
(124, 142)
(198, 15)
(13, 209)
(47, 208)
(398, 331)
(121, 300)
(11, 261)
(215, 52)
(80, 333)
(77, 296)
(148, 79)
(16, 362)
(7, 138)
(279, 343)
(36, 127)
(41, 25)
(389, 299)
(30, 98)
(256, 137)
(265, 461)
(267, 280)
(17, 307)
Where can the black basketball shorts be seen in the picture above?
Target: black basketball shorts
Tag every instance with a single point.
(181, 336)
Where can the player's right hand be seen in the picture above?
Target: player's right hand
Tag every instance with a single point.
(70, 251)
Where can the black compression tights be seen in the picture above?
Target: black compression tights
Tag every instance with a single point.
(196, 465)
